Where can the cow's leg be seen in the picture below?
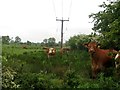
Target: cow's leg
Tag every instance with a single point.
(95, 70)
(48, 56)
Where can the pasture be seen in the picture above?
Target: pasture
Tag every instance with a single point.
(30, 68)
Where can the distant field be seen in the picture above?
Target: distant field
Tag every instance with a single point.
(18, 49)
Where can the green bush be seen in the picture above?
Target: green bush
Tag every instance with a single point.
(39, 81)
(70, 79)
(8, 78)
(108, 82)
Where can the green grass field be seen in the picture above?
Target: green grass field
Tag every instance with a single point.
(30, 68)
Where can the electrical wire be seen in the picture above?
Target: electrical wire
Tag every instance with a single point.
(62, 9)
(70, 9)
(54, 8)
(62, 12)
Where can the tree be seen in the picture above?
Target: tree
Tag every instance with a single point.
(5, 39)
(45, 41)
(76, 42)
(51, 41)
(11, 40)
(107, 24)
(28, 43)
(17, 39)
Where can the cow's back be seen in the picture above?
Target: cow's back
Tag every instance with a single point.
(103, 57)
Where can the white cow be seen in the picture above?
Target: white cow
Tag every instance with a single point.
(117, 60)
(50, 51)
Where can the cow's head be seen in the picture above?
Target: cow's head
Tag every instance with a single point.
(51, 51)
(92, 46)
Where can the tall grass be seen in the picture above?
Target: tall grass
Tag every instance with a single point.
(35, 70)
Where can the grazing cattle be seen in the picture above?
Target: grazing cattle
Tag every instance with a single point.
(100, 58)
(50, 51)
(24, 46)
(117, 60)
(64, 50)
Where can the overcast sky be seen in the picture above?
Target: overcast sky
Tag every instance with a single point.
(35, 20)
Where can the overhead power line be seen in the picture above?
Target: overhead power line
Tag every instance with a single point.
(70, 9)
(63, 3)
(54, 8)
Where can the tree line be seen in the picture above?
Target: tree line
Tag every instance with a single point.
(17, 40)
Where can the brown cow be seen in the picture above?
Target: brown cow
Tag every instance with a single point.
(100, 58)
(50, 51)
(64, 50)
(24, 46)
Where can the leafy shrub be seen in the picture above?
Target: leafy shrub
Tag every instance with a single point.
(108, 82)
(8, 78)
(39, 81)
(71, 80)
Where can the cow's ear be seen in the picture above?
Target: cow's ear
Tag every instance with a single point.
(85, 45)
(45, 47)
(98, 45)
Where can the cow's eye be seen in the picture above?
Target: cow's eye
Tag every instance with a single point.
(95, 45)
(88, 45)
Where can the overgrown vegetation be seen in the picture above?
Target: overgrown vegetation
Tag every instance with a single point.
(32, 69)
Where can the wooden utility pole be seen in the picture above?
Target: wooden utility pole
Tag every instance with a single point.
(62, 20)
